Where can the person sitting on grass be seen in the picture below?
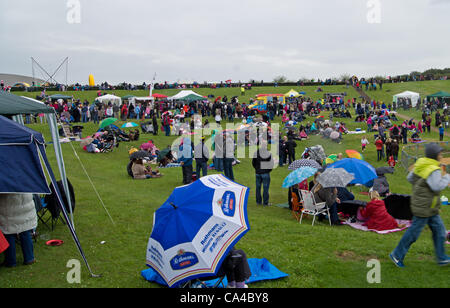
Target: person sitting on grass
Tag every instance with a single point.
(142, 172)
(376, 216)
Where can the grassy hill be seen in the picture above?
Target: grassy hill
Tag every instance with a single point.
(319, 256)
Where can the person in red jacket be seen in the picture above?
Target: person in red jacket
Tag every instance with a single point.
(379, 145)
(377, 215)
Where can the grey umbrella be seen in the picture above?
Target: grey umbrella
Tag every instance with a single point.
(140, 155)
(335, 177)
(317, 153)
(304, 163)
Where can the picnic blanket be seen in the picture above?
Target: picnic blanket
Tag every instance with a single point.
(171, 165)
(261, 270)
(359, 226)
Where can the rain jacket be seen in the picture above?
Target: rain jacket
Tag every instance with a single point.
(378, 217)
(425, 200)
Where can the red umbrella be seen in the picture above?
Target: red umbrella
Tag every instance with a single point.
(156, 95)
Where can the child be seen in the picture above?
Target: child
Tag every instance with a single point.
(364, 143)
(379, 145)
(391, 161)
(377, 215)
(441, 133)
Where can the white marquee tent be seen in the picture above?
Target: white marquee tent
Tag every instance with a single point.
(408, 94)
(105, 99)
(183, 94)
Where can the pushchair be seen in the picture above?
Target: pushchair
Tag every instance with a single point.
(147, 128)
(109, 143)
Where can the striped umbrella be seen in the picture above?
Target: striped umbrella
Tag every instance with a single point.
(354, 154)
(304, 163)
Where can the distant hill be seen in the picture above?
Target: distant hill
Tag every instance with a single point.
(12, 79)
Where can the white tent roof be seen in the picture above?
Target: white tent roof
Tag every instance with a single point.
(184, 93)
(408, 94)
(109, 98)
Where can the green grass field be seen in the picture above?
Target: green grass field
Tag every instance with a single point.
(314, 257)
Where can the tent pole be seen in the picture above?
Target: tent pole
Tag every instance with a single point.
(63, 209)
(51, 119)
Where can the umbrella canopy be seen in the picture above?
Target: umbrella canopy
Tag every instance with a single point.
(331, 159)
(327, 132)
(354, 154)
(196, 227)
(107, 122)
(298, 176)
(334, 135)
(334, 177)
(317, 153)
(140, 155)
(157, 95)
(129, 125)
(363, 172)
(304, 163)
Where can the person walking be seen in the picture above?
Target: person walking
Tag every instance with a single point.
(18, 219)
(263, 164)
(379, 146)
(428, 181)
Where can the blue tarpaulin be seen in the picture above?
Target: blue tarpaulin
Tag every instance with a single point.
(261, 270)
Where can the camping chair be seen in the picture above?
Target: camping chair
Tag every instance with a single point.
(313, 208)
(201, 282)
(42, 209)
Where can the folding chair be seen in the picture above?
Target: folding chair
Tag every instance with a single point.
(310, 206)
(42, 208)
(201, 282)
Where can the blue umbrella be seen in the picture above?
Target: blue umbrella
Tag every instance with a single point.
(362, 170)
(299, 175)
(196, 227)
(129, 125)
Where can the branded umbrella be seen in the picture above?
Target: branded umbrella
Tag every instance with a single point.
(129, 125)
(298, 176)
(304, 163)
(363, 172)
(334, 177)
(107, 122)
(196, 227)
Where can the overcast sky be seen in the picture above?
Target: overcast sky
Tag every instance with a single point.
(210, 40)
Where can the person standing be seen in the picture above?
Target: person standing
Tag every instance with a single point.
(228, 157)
(441, 133)
(218, 151)
(379, 146)
(155, 124)
(18, 218)
(263, 164)
(185, 160)
(201, 153)
(290, 147)
(428, 181)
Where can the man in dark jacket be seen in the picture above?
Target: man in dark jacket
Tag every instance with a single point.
(263, 164)
(428, 181)
(201, 153)
(290, 147)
